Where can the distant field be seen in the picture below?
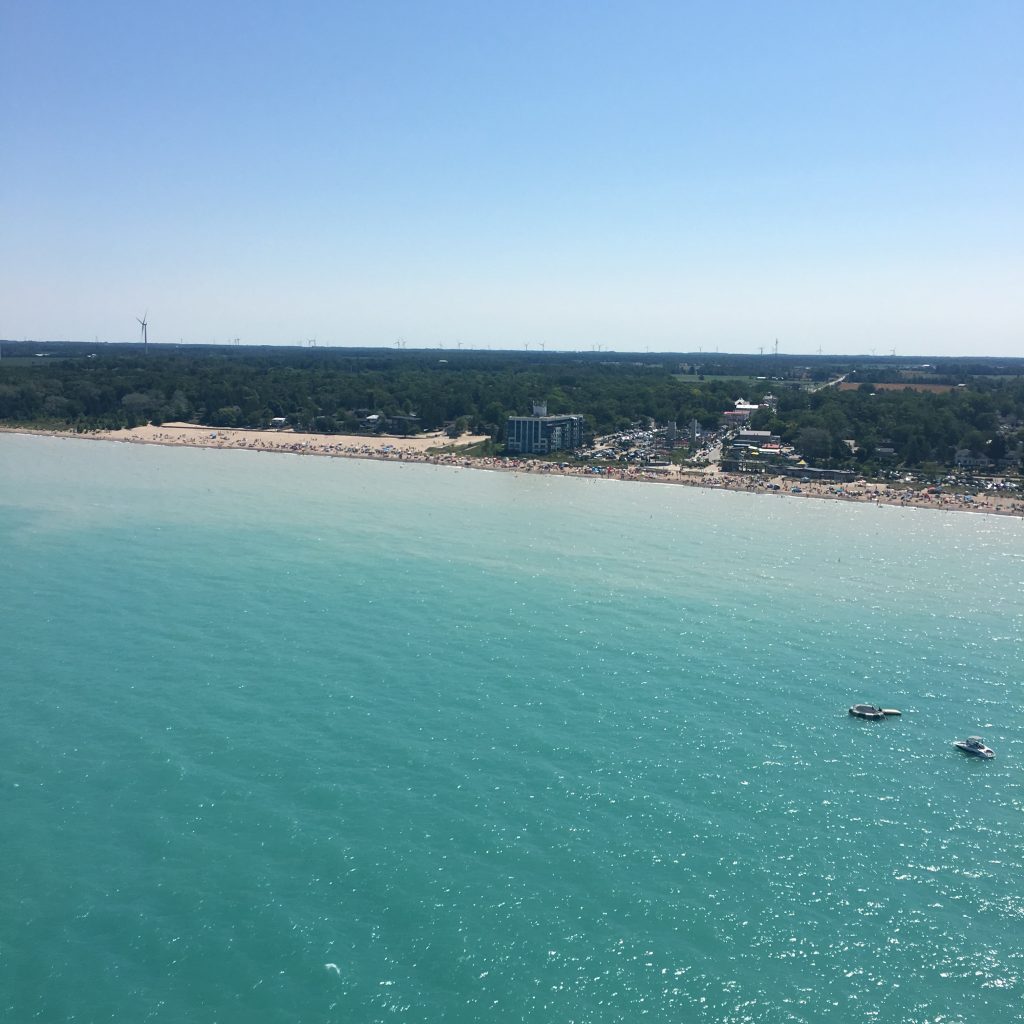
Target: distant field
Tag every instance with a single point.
(693, 378)
(937, 389)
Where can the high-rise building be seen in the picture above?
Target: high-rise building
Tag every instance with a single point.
(540, 433)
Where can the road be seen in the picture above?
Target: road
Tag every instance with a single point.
(830, 383)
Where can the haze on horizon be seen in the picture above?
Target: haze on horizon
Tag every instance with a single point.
(671, 176)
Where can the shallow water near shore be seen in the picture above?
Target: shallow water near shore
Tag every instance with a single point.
(295, 739)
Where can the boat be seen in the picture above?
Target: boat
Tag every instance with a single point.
(872, 712)
(974, 745)
(866, 711)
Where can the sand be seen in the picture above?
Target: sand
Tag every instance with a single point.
(283, 440)
(417, 449)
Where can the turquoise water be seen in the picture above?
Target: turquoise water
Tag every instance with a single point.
(496, 747)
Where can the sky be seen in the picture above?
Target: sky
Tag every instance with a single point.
(663, 176)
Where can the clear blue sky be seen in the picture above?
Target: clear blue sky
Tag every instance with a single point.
(839, 175)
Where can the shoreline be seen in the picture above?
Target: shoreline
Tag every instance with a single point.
(415, 450)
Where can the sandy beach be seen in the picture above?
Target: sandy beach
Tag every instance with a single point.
(422, 449)
(352, 445)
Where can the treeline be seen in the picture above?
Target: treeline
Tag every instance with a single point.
(901, 427)
(84, 387)
(332, 391)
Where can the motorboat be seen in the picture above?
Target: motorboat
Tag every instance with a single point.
(974, 745)
(872, 712)
(867, 711)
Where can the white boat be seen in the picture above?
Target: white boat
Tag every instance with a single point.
(973, 745)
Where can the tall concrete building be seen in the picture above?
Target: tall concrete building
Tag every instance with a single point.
(540, 433)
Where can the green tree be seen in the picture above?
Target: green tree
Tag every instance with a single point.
(814, 443)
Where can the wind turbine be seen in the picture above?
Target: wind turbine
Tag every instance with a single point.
(144, 322)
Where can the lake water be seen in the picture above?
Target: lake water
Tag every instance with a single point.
(291, 739)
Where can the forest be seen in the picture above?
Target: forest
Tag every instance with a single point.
(974, 404)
